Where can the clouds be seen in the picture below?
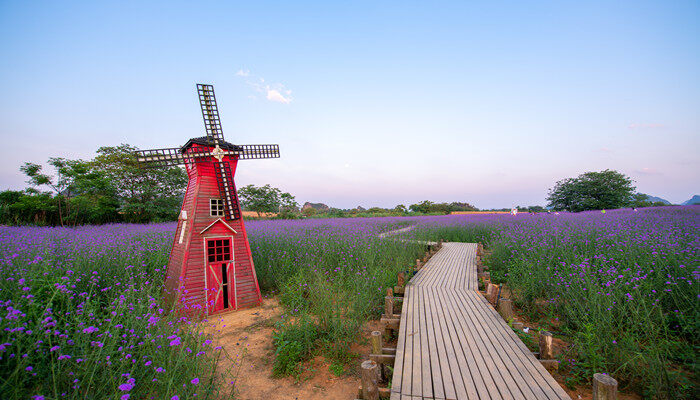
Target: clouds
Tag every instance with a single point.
(275, 92)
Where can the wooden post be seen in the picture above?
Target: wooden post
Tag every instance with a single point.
(439, 243)
(546, 352)
(376, 342)
(487, 276)
(518, 326)
(370, 390)
(417, 264)
(492, 294)
(389, 306)
(389, 292)
(377, 349)
(604, 387)
(505, 308)
(401, 279)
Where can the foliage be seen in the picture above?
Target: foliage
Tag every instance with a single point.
(83, 318)
(144, 194)
(592, 191)
(428, 207)
(262, 199)
(110, 188)
(331, 276)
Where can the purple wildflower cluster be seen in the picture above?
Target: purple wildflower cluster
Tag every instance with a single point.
(82, 314)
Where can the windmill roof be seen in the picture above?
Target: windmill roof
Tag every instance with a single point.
(207, 141)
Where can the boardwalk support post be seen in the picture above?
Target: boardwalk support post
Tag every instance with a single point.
(370, 390)
(492, 294)
(418, 264)
(546, 352)
(401, 279)
(377, 349)
(389, 306)
(505, 308)
(604, 387)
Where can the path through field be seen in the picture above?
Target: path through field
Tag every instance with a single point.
(454, 345)
(246, 335)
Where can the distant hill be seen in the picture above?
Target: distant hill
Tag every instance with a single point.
(655, 199)
(694, 200)
(315, 206)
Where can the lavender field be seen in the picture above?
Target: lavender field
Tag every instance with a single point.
(83, 315)
(621, 286)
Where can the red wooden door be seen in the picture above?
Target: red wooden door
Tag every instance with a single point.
(220, 274)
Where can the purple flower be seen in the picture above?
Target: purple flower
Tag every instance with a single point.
(54, 348)
(195, 381)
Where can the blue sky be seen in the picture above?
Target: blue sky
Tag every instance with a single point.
(373, 105)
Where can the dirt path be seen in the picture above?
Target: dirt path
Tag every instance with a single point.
(246, 336)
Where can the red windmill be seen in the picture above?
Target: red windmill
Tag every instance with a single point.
(210, 264)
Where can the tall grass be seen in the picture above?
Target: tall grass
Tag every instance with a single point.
(622, 286)
(82, 318)
(331, 276)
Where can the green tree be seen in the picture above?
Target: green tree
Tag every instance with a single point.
(422, 207)
(143, 194)
(592, 191)
(266, 199)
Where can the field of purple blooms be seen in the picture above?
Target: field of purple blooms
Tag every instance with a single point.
(621, 286)
(82, 317)
(83, 314)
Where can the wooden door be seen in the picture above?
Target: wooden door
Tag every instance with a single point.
(220, 274)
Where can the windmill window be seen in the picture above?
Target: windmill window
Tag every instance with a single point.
(219, 250)
(216, 207)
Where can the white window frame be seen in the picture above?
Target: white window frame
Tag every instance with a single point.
(216, 208)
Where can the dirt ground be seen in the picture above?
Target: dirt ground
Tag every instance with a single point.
(246, 336)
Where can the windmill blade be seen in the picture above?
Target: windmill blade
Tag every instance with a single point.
(227, 190)
(258, 151)
(210, 112)
(169, 157)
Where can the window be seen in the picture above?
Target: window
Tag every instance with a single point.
(216, 207)
(219, 250)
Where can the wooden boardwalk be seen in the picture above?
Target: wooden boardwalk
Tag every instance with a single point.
(454, 345)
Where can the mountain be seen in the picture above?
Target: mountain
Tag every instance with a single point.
(694, 200)
(315, 206)
(655, 199)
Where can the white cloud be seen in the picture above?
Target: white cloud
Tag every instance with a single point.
(273, 92)
(274, 95)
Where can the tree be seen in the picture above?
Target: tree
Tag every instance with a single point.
(592, 191)
(422, 207)
(144, 194)
(266, 198)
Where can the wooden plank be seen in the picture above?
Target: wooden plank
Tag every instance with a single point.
(400, 346)
(463, 388)
(450, 390)
(466, 365)
(453, 345)
(417, 372)
(406, 384)
(532, 373)
(435, 370)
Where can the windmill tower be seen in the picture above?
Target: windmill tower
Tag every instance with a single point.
(211, 267)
